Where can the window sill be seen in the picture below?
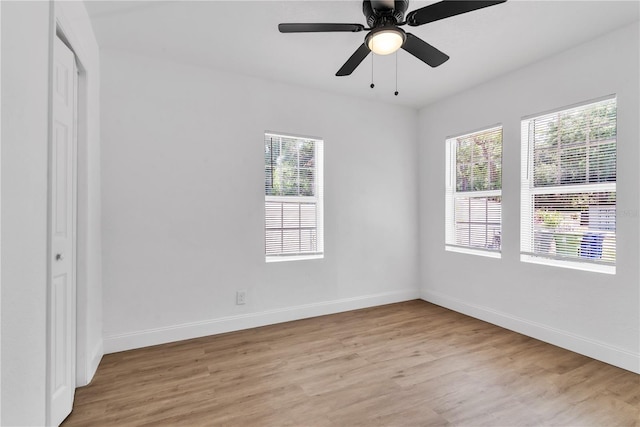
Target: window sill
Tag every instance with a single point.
(473, 251)
(282, 258)
(575, 265)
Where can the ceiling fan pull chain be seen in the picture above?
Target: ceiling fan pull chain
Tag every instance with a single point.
(396, 92)
(372, 85)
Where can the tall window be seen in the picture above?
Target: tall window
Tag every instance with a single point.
(293, 197)
(473, 202)
(568, 202)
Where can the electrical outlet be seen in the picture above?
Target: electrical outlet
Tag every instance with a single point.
(241, 297)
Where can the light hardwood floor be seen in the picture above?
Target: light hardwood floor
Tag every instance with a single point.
(404, 364)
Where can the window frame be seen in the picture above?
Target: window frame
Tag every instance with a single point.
(529, 191)
(317, 199)
(452, 193)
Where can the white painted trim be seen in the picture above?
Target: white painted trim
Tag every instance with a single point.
(138, 339)
(473, 251)
(92, 366)
(88, 369)
(583, 264)
(72, 20)
(0, 211)
(589, 347)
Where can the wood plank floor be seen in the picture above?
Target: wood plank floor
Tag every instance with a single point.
(404, 364)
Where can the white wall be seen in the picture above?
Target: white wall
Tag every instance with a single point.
(183, 202)
(594, 314)
(26, 28)
(27, 32)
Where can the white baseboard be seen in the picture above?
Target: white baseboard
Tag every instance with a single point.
(145, 338)
(589, 347)
(90, 367)
(96, 357)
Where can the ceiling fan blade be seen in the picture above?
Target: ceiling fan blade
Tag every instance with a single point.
(424, 51)
(446, 9)
(319, 28)
(355, 60)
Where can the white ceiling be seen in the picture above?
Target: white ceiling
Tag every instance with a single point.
(242, 37)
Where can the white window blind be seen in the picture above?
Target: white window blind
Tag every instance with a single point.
(473, 200)
(293, 197)
(568, 189)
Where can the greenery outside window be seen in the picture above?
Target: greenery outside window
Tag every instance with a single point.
(568, 187)
(293, 197)
(473, 200)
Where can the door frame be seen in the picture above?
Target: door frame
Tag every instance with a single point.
(74, 221)
(70, 21)
(62, 28)
(0, 206)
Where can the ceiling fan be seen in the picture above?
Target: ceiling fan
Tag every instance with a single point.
(385, 17)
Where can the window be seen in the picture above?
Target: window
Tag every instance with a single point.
(474, 193)
(292, 197)
(569, 187)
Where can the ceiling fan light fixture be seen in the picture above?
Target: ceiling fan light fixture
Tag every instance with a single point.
(384, 41)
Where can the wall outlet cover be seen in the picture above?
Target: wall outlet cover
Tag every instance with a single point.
(241, 297)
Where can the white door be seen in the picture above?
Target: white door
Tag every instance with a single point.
(62, 228)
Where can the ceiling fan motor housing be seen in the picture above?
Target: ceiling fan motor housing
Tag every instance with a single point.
(379, 14)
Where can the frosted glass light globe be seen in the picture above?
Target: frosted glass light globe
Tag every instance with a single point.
(384, 42)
